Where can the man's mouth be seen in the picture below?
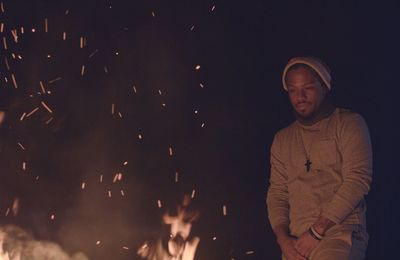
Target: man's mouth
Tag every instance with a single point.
(302, 105)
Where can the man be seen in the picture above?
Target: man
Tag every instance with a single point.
(321, 169)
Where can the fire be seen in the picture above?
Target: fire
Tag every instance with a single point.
(17, 244)
(179, 245)
(3, 255)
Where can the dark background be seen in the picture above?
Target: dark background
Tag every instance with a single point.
(242, 47)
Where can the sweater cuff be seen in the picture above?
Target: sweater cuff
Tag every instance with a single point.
(338, 210)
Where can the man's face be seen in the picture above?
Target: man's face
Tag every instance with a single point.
(306, 92)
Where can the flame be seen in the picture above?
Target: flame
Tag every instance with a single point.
(17, 244)
(3, 255)
(179, 246)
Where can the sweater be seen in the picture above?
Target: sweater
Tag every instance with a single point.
(339, 148)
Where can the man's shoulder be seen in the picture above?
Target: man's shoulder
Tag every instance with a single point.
(344, 116)
(287, 130)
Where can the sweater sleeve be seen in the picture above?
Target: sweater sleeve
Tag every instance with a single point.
(355, 146)
(277, 195)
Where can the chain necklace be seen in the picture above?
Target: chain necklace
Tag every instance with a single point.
(307, 153)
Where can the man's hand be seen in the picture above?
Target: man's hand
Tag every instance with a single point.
(306, 244)
(323, 224)
(287, 246)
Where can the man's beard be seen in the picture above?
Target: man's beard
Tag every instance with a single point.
(324, 110)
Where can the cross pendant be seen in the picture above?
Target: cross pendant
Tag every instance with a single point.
(308, 165)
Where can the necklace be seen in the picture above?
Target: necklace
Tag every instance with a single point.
(307, 153)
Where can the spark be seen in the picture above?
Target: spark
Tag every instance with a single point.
(176, 177)
(201, 85)
(23, 166)
(115, 177)
(64, 36)
(46, 25)
(22, 116)
(2, 7)
(109, 193)
(224, 210)
(82, 70)
(193, 193)
(22, 147)
(14, 81)
(134, 89)
(125, 247)
(46, 106)
(1, 27)
(15, 35)
(192, 28)
(52, 217)
(159, 203)
(170, 151)
(82, 41)
(7, 211)
(54, 80)
(32, 112)
(101, 177)
(93, 53)
(112, 108)
(42, 87)
(98, 242)
(140, 136)
(6, 62)
(197, 67)
(83, 185)
(33, 30)
(15, 206)
(213, 8)
(126, 163)
(122, 193)
(49, 120)
(4, 43)
(203, 124)
(250, 252)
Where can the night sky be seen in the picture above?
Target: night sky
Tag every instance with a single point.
(157, 90)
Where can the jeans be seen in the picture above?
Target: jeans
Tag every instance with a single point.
(341, 243)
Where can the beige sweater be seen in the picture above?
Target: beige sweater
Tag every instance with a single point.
(339, 148)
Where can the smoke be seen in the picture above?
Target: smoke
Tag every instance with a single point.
(17, 244)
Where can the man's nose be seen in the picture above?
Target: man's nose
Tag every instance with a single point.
(301, 95)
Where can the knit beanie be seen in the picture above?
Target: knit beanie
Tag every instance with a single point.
(317, 65)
